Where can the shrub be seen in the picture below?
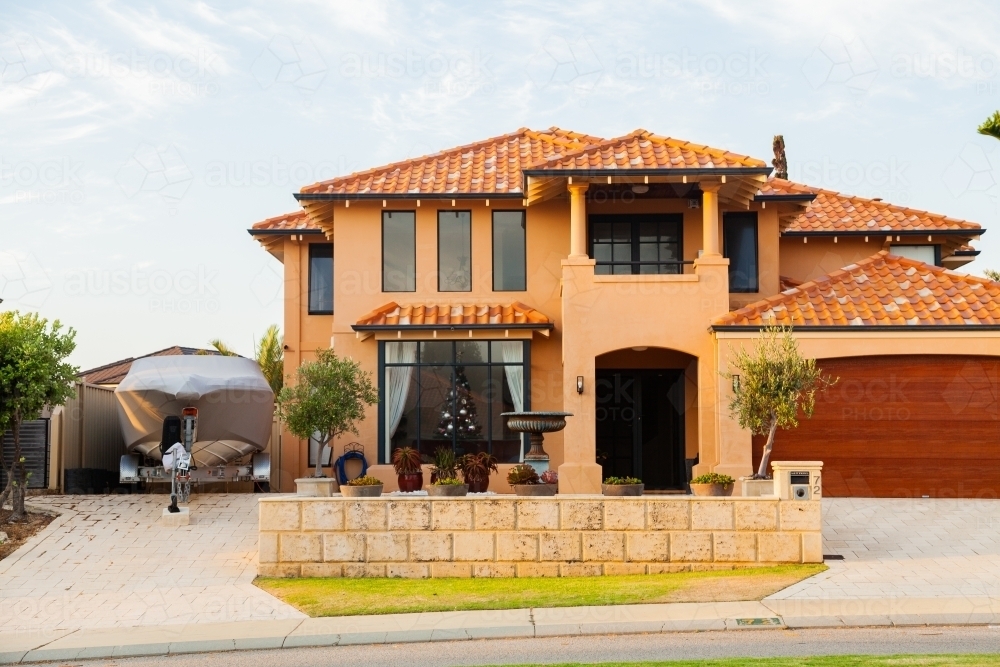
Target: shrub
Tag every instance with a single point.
(550, 477)
(621, 481)
(523, 474)
(445, 464)
(367, 480)
(713, 478)
(448, 481)
(406, 460)
(477, 467)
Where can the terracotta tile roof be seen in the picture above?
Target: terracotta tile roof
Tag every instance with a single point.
(494, 166)
(833, 212)
(642, 150)
(785, 283)
(446, 315)
(883, 290)
(296, 221)
(115, 372)
(776, 187)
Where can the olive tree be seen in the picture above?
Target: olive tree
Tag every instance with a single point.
(33, 374)
(327, 400)
(775, 384)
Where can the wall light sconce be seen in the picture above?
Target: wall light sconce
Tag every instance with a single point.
(579, 384)
(736, 384)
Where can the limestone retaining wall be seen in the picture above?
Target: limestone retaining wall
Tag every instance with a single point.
(509, 536)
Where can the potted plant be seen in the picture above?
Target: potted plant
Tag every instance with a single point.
(445, 464)
(526, 482)
(448, 486)
(712, 484)
(476, 469)
(406, 461)
(771, 384)
(622, 486)
(362, 487)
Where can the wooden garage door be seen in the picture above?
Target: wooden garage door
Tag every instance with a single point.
(903, 426)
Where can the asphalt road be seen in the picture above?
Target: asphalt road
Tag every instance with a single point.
(674, 646)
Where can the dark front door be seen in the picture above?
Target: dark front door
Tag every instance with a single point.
(640, 426)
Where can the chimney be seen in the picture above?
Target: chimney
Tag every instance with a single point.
(780, 162)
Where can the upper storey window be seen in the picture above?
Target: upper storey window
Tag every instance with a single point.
(928, 254)
(636, 244)
(739, 241)
(399, 251)
(509, 252)
(454, 251)
(320, 278)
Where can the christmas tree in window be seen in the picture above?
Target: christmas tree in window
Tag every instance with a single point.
(465, 420)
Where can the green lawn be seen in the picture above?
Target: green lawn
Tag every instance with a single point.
(832, 661)
(348, 597)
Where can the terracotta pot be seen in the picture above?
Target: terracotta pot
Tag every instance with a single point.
(712, 489)
(448, 490)
(361, 491)
(534, 489)
(411, 481)
(479, 486)
(622, 489)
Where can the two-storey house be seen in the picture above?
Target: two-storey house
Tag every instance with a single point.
(612, 278)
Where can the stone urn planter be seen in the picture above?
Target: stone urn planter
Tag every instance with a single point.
(754, 488)
(622, 489)
(315, 487)
(535, 489)
(448, 490)
(372, 491)
(715, 489)
(536, 424)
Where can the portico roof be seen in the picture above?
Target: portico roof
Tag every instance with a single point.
(453, 316)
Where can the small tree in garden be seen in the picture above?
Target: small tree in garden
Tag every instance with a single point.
(775, 383)
(33, 374)
(328, 398)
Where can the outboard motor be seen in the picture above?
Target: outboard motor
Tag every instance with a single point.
(171, 433)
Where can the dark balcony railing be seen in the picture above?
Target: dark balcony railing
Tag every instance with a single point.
(652, 267)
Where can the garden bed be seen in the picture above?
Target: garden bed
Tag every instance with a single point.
(19, 533)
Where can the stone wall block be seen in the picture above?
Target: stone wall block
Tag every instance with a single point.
(581, 569)
(492, 570)
(495, 515)
(280, 515)
(604, 547)
(691, 547)
(779, 547)
(281, 570)
(407, 571)
(812, 547)
(327, 570)
(618, 569)
(668, 514)
(537, 515)
(343, 547)
(757, 515)
(322, 515)
(386, 547)
(365, 515)
(624, 515)
(649, 546)
(409, 515)
(301, 547)
(735, 547)
(517, 546)
(581, 515)
(267, 548)
(362, 570)
(460, 570)
(451, 515)
(712, 515)
(559, 545)
(430, 546)
(800, 515)
(474, 545)
(538, 569)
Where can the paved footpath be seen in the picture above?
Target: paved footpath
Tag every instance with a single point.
(105, 580)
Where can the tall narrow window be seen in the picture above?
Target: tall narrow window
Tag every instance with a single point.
(739, 240)
(399, 251)
(454, 251)
(320, 278)
(509, 252)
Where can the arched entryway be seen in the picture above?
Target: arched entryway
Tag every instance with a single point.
(646, 416)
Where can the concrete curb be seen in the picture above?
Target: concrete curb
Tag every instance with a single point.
(512, 623)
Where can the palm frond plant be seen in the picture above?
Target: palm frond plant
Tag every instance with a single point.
(991, 126)
(222, 348)
(270, 351)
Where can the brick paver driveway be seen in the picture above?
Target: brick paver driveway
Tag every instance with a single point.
(930, 548)
(109, 563)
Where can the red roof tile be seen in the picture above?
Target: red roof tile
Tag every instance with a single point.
(883, 290)
(116, 371)
(446, 315)
(834, 212)
(295, 221)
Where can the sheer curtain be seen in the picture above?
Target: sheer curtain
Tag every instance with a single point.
(513, 353)
(397, 387)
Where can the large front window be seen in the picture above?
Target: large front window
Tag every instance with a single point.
(739, 245)
(636, 244)
(451, 394)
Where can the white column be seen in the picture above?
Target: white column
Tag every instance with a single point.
(578, 220)
(710, 219)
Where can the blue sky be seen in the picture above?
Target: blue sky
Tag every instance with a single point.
(139, 141)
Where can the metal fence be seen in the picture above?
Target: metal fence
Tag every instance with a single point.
(35, 450)
(91, 433)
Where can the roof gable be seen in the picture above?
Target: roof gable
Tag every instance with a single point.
(116, 371)
(883, 290)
